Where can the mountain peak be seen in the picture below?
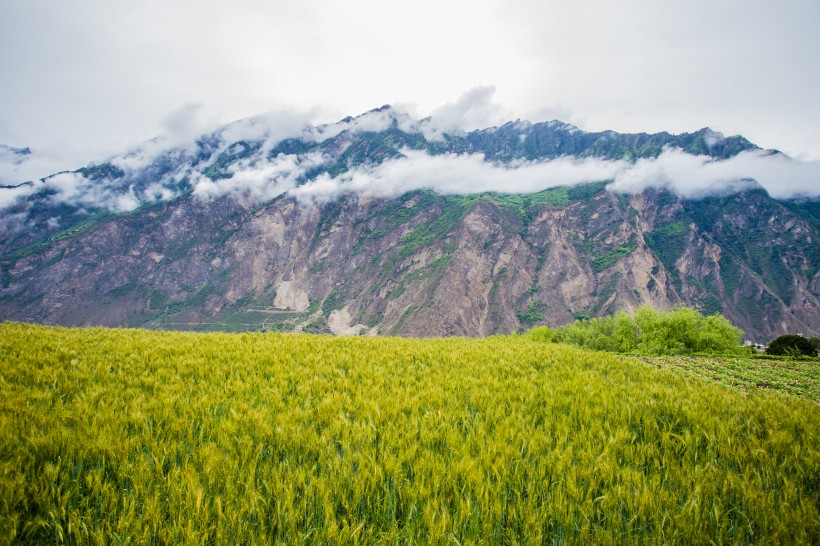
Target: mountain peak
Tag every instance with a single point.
(16, 151)
(711, 137)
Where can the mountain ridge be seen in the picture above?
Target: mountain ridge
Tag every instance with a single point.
(414, 263)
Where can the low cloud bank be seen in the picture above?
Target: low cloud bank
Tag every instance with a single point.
(261, 177)
(686, 175)
(190, 143)
(696, 176)
(455, 175)
(74, 189)
(10, 195)
(259, 182)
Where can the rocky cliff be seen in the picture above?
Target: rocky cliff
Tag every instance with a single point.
(420, 263)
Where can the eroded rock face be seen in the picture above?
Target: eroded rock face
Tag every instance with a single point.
(290, 296)
(339, 323)
(425, 265)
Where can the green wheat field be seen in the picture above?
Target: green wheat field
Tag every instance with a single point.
(140, 437)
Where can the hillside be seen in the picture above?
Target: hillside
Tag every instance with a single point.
(271, 233)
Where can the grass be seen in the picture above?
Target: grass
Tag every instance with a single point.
(142, 437)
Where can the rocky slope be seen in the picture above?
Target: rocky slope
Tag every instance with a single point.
(420, 264)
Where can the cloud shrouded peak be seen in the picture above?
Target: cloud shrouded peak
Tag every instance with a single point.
(464, 147)
(473, 110)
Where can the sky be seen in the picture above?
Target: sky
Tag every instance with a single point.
(87, 79)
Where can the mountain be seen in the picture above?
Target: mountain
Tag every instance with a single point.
(336, 228)
(12, 154)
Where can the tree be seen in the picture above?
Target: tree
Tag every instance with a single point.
(718, 335)
(792, 345)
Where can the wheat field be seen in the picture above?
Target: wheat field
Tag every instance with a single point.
(114, 436)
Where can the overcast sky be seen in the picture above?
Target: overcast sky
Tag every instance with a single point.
(85, 79)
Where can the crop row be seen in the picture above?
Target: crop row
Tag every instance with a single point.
(796, 377)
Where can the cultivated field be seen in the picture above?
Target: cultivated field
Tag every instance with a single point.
(118, 436)
(796, 377)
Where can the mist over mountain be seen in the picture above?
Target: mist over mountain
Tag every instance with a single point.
(384, 223)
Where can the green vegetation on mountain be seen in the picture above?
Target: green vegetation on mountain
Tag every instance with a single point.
(132, 436)
(532, 315)
(669, 242)
(517, 140)
(599, 263)
(453, 210)
(775, 255)
(76, 229)
(527, 205)
(102, 171)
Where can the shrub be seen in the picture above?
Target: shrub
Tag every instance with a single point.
(792, 345)
(542, 334)
(681, 330)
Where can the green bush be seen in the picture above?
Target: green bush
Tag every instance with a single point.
(682, 330)
(541, 333)
(792, 345)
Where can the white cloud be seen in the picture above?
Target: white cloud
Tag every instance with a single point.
(260, 177)
(694, 176)
(13, 156)
(258, 180)
(686, 175)
(75, 189)
(105, 74)
(271, 127)
(456, 174)
(180, 130)
(140, 157)
(158, 192)
(373, 121)
(183, 125)
(473, 110)
(10, 196)
(16, 168)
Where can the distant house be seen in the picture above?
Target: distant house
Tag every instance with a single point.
(757, 347)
